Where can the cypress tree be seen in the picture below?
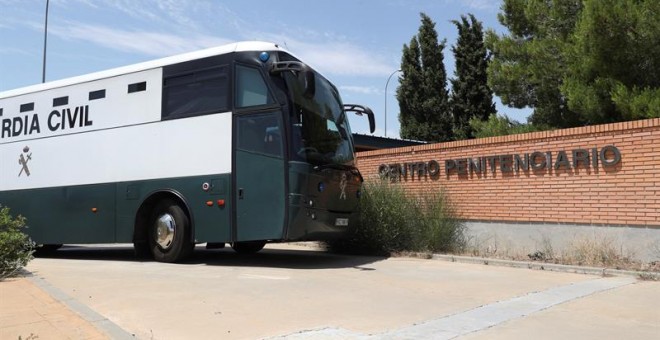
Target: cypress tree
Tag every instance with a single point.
(422, 94)
(471, 96)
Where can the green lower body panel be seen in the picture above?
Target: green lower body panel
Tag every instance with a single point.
(77, 214)
(261, 197)
(106, 213)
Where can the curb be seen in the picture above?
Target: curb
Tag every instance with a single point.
(546, 266)
(103, 324)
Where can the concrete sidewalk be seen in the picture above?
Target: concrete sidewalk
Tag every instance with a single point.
(29, 312)
(319, 295)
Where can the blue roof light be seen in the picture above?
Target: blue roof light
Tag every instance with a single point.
(264, 56)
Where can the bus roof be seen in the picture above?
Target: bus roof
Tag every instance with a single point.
(219, 50)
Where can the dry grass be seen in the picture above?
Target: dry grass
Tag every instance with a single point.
(420, 255)
(597, 253)
(583, 251)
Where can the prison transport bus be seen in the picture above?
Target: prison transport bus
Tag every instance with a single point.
(242, 144)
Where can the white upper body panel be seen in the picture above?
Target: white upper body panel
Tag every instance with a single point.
(219, 50)
(117, 137)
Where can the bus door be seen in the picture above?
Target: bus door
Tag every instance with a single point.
(259, 177)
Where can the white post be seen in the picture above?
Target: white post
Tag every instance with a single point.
(43, 73)
(387, 83)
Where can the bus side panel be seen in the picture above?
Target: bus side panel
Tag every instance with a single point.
(175, 148)
(260, 210)
(58, 166)
(211, 223)
(81, 214)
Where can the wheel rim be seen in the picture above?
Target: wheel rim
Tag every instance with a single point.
(165, 229)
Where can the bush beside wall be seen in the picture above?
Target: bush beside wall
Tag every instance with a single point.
(16, 248)
(392, 221)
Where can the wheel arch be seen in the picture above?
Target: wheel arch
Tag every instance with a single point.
(141, 224)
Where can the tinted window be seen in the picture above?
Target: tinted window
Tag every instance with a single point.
(260, 133)
(137, 87)
(251, 89)
(60, 101)
(27, 107)
(196, 93)
(97, 94)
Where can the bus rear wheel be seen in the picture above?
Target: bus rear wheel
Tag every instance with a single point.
(248, 247)
(46, 249)
(170, 232)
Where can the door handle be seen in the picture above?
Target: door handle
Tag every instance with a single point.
(240, 193)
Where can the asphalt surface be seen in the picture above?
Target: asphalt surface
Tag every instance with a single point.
(297, 292)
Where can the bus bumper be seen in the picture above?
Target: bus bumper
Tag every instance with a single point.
(307, 224)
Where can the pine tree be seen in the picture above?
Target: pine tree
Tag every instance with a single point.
(529, 63)
(614, 61)
(422, 94)
(578, 62)
(471, 96)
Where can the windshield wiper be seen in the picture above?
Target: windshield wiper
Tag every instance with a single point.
(353, 170)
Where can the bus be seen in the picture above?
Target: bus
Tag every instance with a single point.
(241, 144)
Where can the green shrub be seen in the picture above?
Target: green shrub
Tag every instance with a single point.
(16, 248)
(442, 231)
(390, 221)
(497, 125)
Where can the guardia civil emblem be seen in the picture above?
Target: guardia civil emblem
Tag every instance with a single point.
(23, 160)
(342, 186)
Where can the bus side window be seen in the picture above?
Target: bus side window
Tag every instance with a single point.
(251, 89)
(196, 93)
(260, 133)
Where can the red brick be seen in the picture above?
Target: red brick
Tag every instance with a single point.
(627, 194)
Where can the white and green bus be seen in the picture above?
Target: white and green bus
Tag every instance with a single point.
(242, 144)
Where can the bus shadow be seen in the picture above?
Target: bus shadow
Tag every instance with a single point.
(100, 252)
(267, 258)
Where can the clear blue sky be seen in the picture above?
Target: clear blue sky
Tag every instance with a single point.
(355, 43)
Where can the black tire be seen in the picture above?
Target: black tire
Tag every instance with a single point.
(46, 249)
(249, 247)
(170, 232)
(142, 250)
(51, 247)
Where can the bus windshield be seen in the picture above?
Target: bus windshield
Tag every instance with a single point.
(320, 130)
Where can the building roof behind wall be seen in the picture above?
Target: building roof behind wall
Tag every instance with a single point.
(368, 142)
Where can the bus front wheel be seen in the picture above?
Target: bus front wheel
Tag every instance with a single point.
(169, 233)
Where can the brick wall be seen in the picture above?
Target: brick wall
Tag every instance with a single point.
(614, 192)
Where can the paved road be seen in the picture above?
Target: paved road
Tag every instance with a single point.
(301, 293)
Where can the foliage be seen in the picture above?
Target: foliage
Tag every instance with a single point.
(614, 61)
(422, 94)
(440, 228)
(578, 62)
(16, 248)
(635, 103)
(391, 221)
(500, 126)
(471, 96)
(529, 64)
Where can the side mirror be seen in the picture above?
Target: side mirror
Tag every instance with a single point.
(308, 81)
(362, 110)
(305, 75)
